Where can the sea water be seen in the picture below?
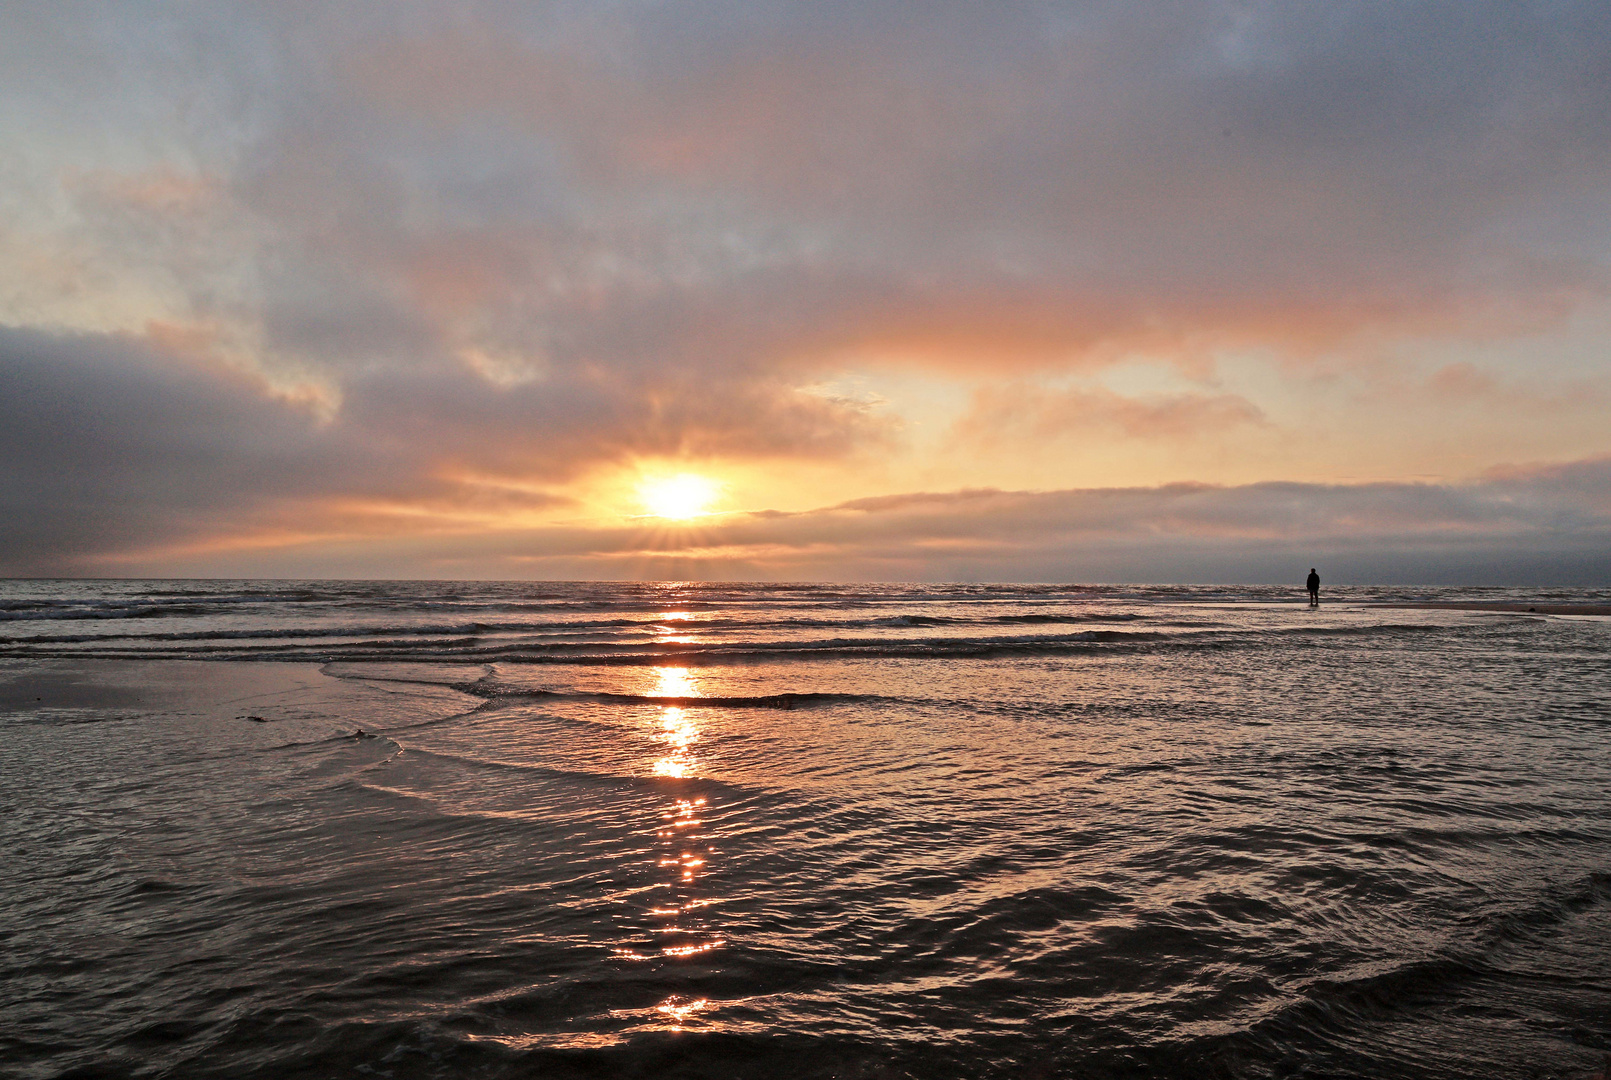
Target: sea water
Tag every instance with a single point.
(718, 830)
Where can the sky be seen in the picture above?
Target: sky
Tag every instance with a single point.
(990, 290)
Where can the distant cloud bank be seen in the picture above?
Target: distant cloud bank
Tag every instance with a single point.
(122, 463)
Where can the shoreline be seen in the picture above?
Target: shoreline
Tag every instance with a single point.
(1521, 608)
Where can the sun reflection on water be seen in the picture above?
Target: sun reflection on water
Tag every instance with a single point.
(674, 682)
(677, 927)
(679, 1011)
(678, 731)
(677, 728)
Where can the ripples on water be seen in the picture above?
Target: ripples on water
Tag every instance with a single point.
(814, 831)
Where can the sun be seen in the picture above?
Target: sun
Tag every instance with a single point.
(679, 497)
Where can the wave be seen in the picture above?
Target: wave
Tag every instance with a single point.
(1332, 1011)
(64, 612)
(1049, 619)
(571, 627)
(595, 778)
(462, 649)
(551, 647)
(295, 632)
(501, 695)
(1122, 616)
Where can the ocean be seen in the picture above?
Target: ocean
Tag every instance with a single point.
(285, 829)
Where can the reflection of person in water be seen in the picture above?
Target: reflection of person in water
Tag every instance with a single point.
(1314, 587)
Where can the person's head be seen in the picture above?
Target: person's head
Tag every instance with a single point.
(1311, 569)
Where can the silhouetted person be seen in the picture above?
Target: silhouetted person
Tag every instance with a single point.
(1314, 587)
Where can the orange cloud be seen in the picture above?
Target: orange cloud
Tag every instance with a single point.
(1023, 411)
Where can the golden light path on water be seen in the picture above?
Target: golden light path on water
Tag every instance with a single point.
(683, 853)
(677, 728)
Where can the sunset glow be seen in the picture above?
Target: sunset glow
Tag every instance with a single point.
(1153, 293)
(806, 539)
(679, 497)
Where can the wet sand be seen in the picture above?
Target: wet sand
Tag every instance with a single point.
(1521, 608)
(213, 690)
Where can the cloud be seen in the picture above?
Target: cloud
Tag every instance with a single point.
(106, 447)
(372, 274)
(1064, 178)
(1036, 414)
(1542, 525)
(1548, 525)
(718, 184)
(114, 445)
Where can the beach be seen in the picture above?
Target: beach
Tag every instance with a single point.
(268, 829)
